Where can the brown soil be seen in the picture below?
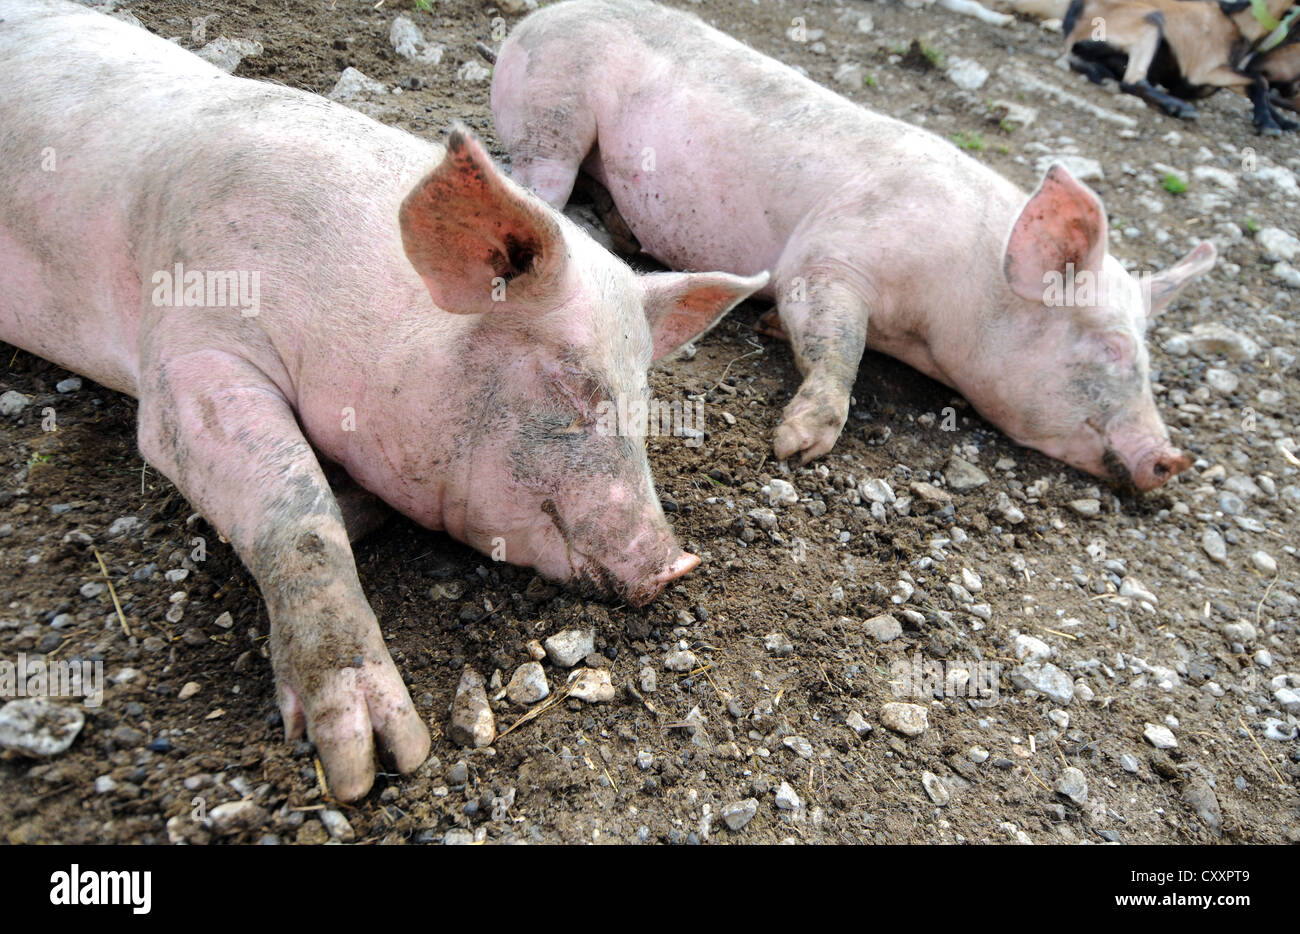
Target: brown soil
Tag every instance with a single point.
(573, 771)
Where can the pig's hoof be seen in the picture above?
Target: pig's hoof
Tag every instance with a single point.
(348, 710)
(770, 325)
(808, 438)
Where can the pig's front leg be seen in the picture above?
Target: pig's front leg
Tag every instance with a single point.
(824, 317)
(228, 439)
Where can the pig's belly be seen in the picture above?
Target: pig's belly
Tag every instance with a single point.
(84, 317)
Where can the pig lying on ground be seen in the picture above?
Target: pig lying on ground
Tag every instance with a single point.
(719, 157)
(407, 312)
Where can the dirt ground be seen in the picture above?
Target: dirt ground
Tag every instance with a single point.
(776, 617)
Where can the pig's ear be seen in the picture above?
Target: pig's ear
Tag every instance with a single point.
(1165, 286)
(681, 306)
(1062, 224)
(479, 242)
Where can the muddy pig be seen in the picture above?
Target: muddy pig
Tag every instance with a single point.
(282, 282)
(877, 233)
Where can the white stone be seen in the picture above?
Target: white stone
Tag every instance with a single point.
(936, 788)
(883, 628)
(409, 42)
(786, 799)
(1264, 563)
(1277, 245)
(739, 813)
(472, 722)
(528, 684)
(908, 719)
(1081, 167)
(1160, 736)
(781, 493)
(570, 646)
(967, 74)
(1031, 649)
(226, 54)
(473, 71)
(35, 726)
(353, 84)
(591, 685)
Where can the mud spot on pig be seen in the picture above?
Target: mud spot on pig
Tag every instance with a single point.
(1119, 473)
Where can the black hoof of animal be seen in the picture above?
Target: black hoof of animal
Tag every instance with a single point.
(1183, 112)
(1269, 130)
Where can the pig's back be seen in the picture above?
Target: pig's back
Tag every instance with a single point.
(739, 140)
(127, 154)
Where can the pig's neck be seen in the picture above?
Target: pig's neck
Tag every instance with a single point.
(932, 268)
(388, 414)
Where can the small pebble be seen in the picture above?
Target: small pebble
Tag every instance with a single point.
(528, 684)
(569, 647)
(883, 628)
(739, 813)
(786, 799)
(472, 722)
(1160, 736)
(857, 723)
(591, 685)
(936, 788)
(1073, 785)
(781, 493)
(1214, 545)
(1264, 563)
(907, 719)
(337, 825)
(801, 747)
(778, 644)
(234, 817)
(681, 660)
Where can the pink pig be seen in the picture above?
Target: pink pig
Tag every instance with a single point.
(283, 281)
(877, 233)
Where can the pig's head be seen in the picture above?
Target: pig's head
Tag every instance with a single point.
(1065, 367)
(540, 466)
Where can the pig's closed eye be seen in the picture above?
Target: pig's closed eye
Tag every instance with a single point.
(575, 427)
(583, 391)
(1116, 348)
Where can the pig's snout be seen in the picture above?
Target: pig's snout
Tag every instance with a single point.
(1139, 452)
(1154, 470)
(651, 561)
(680, 566)
(1147, 468)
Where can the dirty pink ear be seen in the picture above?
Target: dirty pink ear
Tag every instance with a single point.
(1063, 223)
(478, 242)
(681, 306)
(1164, 286)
